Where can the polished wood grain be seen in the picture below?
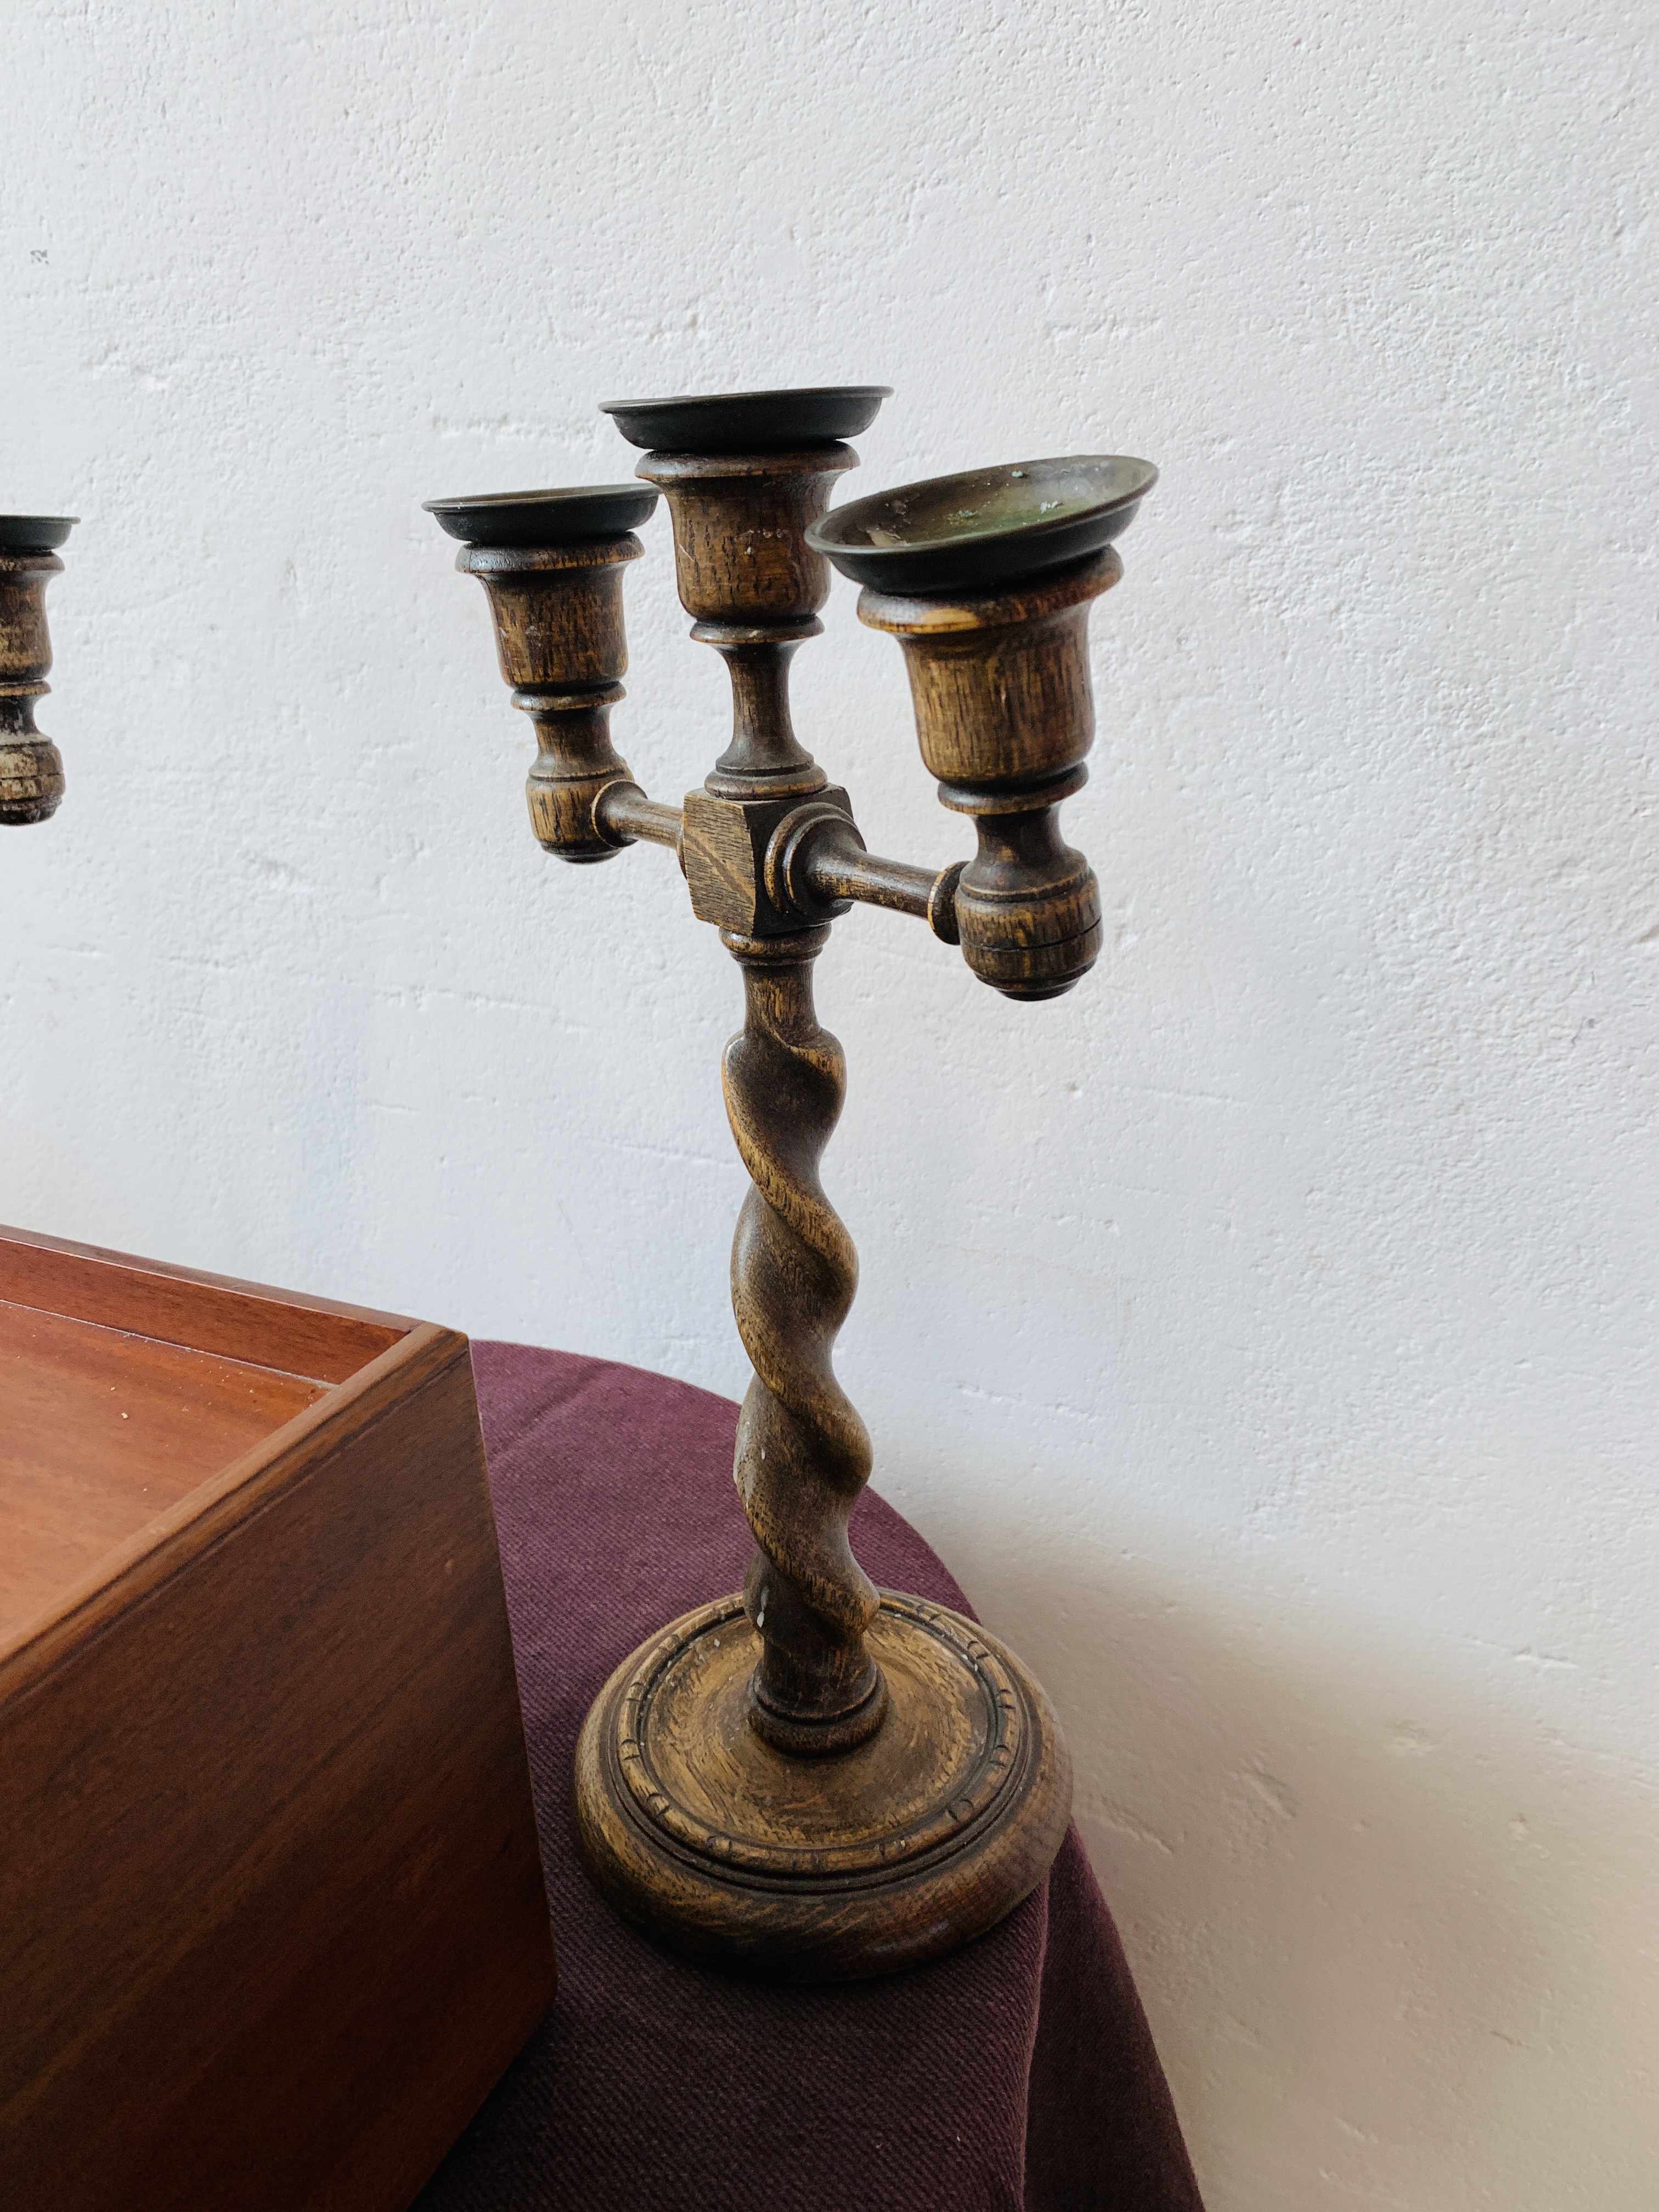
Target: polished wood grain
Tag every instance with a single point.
(803, 1454)
(812, 1781)
(275, 1920)
(284, 1329)
(100, 1432)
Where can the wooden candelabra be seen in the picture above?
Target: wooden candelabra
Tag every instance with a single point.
(31, 766)
(815, 1779)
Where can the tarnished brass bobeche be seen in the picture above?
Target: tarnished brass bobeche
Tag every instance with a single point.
(815, 1779)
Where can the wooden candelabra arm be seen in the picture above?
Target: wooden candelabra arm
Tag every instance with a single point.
(584, 803)
(818, 862)
(624, 815)
(1005, 716)
(558, 618)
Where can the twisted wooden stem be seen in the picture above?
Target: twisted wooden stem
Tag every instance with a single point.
(803, 1454)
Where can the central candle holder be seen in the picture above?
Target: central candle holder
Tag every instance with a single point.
(815, 1779)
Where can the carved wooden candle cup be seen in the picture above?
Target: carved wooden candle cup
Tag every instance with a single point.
(31, 766)
(551, 562)
(815, 1778)
(986, 580)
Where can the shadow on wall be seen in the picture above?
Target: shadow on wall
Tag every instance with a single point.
(1396, 1950)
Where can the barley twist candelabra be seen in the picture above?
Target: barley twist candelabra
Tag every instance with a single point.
(31, 766)
(817, 1779)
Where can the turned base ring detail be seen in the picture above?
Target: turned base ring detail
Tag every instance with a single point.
(857, 1863)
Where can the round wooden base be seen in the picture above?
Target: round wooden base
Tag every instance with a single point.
(817, 1869)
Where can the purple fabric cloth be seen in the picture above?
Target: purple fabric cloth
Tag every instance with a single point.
(1017, 2076)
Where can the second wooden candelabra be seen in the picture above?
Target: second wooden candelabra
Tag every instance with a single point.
(31, 766)
(815, 1779)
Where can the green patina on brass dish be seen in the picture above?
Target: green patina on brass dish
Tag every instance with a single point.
(987, 527)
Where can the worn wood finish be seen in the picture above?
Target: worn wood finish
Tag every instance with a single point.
(812, 1780)
(31, 766)
(1005, 715)
(819, 864)
(738, 1854)
(803, 1455)
(740, 522)
(627, 817)
(559, 636)
(841, 1790)
(273, 1917)
(754, 586)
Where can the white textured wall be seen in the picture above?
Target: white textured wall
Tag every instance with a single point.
(1266, 1331)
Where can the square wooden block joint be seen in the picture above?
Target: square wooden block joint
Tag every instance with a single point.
(271, 1913)
(723, 851)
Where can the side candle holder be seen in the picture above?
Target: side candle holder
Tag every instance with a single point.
(815, 1779)
(31, 766)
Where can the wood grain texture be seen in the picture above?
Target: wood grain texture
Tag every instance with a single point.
(731, 1850)
(740, 552)
(803, 1454)
(100, 1431)
(282, 1329)
(275, 1918)
(31, 766)
(732, 848)
(557, 612)
(1005, 717)
(557, 609)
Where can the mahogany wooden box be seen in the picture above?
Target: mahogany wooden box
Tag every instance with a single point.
(271, 1912)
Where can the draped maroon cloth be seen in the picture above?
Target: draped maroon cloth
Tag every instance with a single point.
(1017, 2076)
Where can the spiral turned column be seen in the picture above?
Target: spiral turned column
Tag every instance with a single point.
(814, 1777)
(803, 1454)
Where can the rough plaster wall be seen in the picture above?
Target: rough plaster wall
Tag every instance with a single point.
(1264, 1331)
